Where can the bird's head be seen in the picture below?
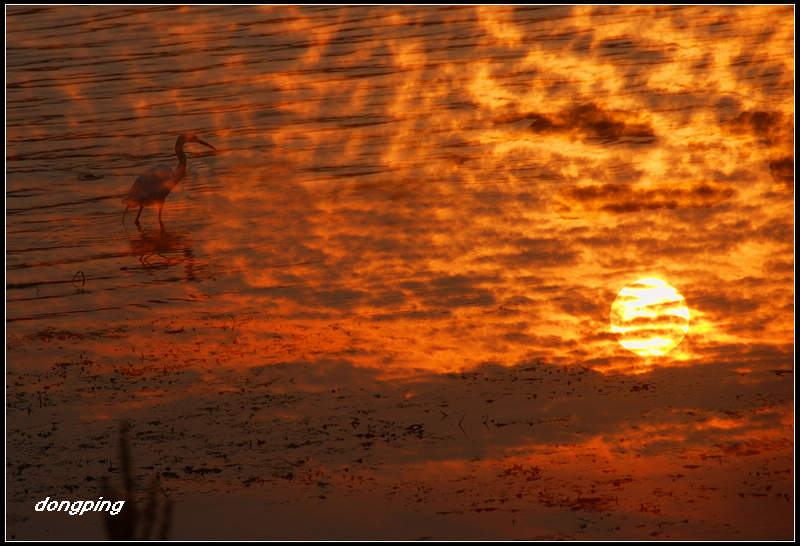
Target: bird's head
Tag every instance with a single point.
(191, 137)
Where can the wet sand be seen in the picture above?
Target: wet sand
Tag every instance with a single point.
(533, 451)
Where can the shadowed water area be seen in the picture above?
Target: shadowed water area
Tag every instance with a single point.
(380, 308)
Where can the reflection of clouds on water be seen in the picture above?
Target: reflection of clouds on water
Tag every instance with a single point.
(500, 152)
(588, 121)
(408, 252)
(577, 201)
(432, 166)
(777, 130)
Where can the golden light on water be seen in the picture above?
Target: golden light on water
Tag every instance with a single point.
(384, 308)
(650, 317)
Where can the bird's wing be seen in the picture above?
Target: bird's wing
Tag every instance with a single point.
(151, 186)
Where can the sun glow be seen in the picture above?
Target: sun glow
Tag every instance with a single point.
(650, 317)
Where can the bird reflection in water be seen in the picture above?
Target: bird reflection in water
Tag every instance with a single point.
(164, 248)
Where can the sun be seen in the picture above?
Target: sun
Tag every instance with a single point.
(650, 317)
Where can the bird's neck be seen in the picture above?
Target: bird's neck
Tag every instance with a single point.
(181, 159)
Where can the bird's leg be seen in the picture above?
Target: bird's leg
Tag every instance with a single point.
(137, 216)
(160, 206)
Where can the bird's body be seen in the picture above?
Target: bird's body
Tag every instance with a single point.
(154, 186)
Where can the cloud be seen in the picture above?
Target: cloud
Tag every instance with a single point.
(724, 305)
(456, 291)
(539, 252)
(769, 125)
(589, 121)
(625, 49)
(621, 198)
(782, 170)
(777, 130)
(324, 299)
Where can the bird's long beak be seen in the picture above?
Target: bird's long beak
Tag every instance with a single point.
(206, 144)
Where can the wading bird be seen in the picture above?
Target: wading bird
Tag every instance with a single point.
(154, 185)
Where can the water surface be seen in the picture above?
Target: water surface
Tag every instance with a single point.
(389, 289)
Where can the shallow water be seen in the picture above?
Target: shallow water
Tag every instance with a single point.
(404, 252)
